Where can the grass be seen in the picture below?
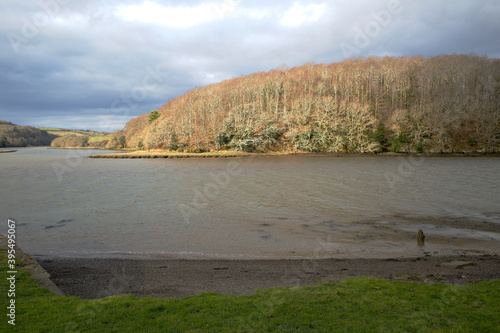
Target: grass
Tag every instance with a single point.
(100, 138)
(64, 132)
(355, 305)
(175, 154)
(94, 136)
(230, 153)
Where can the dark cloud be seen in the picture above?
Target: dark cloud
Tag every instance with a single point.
(96, 64)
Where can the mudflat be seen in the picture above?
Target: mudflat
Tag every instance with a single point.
(177, 278)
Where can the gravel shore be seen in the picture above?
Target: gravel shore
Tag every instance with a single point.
(177, 278)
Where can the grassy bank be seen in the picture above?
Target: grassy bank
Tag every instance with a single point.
(226, 153)
(166, 154)
(360, 304)
(100, 138)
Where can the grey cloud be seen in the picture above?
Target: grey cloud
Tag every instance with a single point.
(84, 65)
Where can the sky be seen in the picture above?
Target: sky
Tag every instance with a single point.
(96, 64)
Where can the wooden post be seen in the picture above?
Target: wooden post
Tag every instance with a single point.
(420, 238)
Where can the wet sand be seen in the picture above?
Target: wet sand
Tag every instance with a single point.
(177, 278)
(449, 240)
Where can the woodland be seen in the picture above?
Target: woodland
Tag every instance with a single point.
(443, 104)
(12, 135)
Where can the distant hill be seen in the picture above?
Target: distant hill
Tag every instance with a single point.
(12, 135)
(82, 138)
(440, 104)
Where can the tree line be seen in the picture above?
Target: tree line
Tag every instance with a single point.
(403, 104)
(439, 104)
(116, 141)
(12, 135)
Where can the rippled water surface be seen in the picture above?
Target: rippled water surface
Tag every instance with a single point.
(259, 207)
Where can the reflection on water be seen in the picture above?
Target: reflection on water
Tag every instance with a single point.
(258, 207)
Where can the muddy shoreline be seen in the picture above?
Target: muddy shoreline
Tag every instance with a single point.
(177, 278)
(226, 154)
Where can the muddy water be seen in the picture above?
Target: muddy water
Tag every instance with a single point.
(261, 207)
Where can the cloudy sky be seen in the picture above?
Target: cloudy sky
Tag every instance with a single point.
(95, 64)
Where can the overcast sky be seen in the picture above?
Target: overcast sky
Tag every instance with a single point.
(96, 64)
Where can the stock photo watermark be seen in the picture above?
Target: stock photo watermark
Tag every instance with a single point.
(73, 159)
(90, 309)
(152, 78)
(406, 168)
(290, 278)
(157, 75)
(224, 8)
(420, 318)
(363, 36)
(130, 100)
(203, 196)
(11, 272)
(32, 25)
(324, 250)
(488, 84)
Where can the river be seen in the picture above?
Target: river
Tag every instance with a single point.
(67, 205)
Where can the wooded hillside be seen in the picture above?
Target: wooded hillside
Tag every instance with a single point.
(439, 104)
(12, 135)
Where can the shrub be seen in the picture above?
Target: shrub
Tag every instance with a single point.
(153, 115)
(195, 150)
(246, 145)
(379, 134)
(121, 141)
(419, 147)
(310, 141)
(98, 144)
(71, 140)
(472, 142)
(222, 139)
(173, 141)
(398, 141)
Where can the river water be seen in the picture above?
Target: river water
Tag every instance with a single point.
(67, 205)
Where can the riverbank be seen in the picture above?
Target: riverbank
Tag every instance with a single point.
(162, 154)
(90, 148)
(95, 278)
(226, 154)
(359, 304)
(27, 262)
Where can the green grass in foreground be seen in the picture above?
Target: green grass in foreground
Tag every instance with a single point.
(355, 305)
